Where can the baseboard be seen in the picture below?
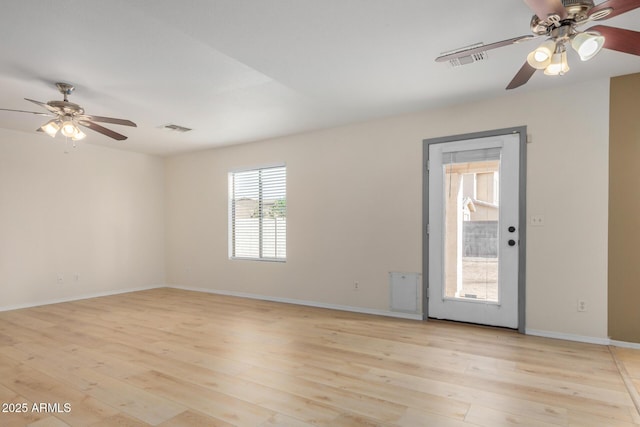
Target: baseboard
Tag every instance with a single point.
(568, 337)
(78, 297)
(362, 310)
(582, 338)
(624, 344)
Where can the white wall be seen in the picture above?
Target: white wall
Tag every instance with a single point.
(95, 213)
(354, 207)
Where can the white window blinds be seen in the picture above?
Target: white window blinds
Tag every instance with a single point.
(482, 155)
(258, 214)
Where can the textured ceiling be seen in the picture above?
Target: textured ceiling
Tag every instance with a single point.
(242, 70)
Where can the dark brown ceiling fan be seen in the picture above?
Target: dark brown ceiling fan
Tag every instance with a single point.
(67, 117)
(559, 20)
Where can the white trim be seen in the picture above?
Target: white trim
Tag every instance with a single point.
(362, 310)
(568, 337)
(316, 304)
(239, 258)
(78, 297)
(625, 344)
(262, 166)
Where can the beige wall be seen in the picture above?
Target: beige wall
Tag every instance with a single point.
(95, 213)
(355, 208)
(624, 210)
(354, 211)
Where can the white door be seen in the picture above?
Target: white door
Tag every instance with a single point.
(473, 230)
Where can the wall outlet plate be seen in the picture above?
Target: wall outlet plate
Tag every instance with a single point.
(582, 305)
(536, 220)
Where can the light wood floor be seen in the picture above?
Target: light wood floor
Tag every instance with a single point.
(177, 358)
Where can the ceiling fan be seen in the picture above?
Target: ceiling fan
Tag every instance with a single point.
(67, 117)
(559, 20)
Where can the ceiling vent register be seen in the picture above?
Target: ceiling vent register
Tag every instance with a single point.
(476, 56)
(176, 128)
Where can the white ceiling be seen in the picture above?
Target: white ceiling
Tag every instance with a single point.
(242, 70)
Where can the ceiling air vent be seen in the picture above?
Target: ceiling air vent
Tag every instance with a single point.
(468, 59)
(176, 128)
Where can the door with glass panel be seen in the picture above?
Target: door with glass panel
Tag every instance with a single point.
(474, 230)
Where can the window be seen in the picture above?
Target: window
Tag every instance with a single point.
(258, 214)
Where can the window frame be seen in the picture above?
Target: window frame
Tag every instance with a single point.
(231, 214)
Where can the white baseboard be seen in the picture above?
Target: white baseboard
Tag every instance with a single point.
(568, 337)
(78, 297)
(362, 310)
(582, 338)
(633, 345)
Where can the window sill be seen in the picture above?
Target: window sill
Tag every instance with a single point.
(279, 260)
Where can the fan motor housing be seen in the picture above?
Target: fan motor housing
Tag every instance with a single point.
(578, 9)
(583, 3)
(67, 107)
(577, 13)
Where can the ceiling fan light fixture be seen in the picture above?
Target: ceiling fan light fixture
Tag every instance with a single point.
(559, 65)
(540, 58)
(69, 129)
(79, 135)
(587, 45)
(51, 128)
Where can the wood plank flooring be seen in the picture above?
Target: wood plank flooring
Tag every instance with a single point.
(168, 357)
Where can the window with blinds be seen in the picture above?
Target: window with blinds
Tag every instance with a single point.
(258, 214)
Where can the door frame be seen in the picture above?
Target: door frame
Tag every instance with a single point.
(522, 214)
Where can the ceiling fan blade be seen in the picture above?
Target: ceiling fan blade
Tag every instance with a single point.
(45, 105)
(619, 7)
(544, 8)
(522, 76)
(471, 50)
(101, 119)
(626, 41)
(23, 111)
(103, 130)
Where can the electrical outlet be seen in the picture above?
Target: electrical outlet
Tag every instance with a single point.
(582, 305)
(60, 278)
(537, 220)
(356, 286)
